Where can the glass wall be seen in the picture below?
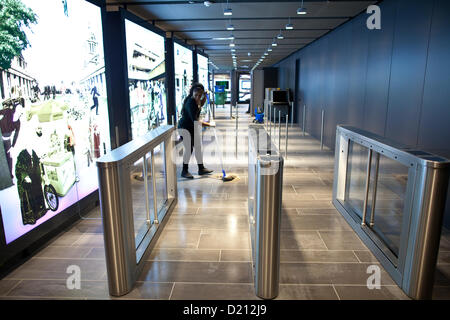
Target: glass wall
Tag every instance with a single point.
(53, 115)
(183, 75)
(146, 72)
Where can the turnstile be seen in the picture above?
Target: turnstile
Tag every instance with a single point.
(394, 198)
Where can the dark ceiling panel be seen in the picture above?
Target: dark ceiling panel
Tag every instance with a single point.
(256, 24)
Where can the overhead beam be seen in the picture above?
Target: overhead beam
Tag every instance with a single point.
(253, 18)
(169, 2)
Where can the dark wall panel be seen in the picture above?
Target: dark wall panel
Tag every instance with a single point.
(378, 70)
(409, 57)
(434, 132)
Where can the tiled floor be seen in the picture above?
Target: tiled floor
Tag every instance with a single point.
(204, 250)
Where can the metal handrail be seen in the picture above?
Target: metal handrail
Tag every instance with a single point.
(124, 259)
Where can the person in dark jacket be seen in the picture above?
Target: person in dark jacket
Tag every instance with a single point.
(190, 114)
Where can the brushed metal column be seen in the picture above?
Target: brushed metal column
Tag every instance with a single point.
(268, 222)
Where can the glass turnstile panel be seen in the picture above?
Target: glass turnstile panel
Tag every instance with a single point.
(386, 216)
(356, 177)
(385, 193)
(140, 218)
(160, 177)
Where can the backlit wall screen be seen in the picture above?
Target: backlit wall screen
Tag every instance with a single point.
(53, 115)
(146, 78)
(183, 75)
(202, 70)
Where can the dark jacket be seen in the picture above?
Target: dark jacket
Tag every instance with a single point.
(189, 113)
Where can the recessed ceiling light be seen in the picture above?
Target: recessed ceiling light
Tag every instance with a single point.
(230, 27)
(231, 37)
(301, 11)
(289, 26)
(228, 12)
(280, 36)
(270, 49)
(233, 50)
(232, 44)
(266, 54)
(207, 3)
(274, 44)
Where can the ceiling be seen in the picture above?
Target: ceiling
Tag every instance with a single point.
(256, 25)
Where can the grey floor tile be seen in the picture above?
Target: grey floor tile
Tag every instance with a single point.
(96, 253)
(221, 239)
(315, 222)
(441, 293)
(205, 272)
(235, 255)
(58, 288)
(7, 285)
(342, 240)
(90, 240)
(228, 222)
(444, 257)
(442, 275)
(149, 290)
(306, 292)
(184, 210)
(308, 204)
(363, 293)
(312, 211)
(222, 211)
(365, 256)
(317, 256)
(328, 273)
(66, 239)
(178, 239)
(168, 254)
(301, 240)
(208, 291)
(63, 252)
(40, 269)
(89, 226)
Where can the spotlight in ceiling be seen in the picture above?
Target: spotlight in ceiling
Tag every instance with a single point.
(274, 44)
(266, 53)
(230, 27)
(228, 12)
(280, 36)
(301, 10)
(207, 3)
(289, 25)
(233, 50)
(232, 44)
(270, 49)
(232, 37)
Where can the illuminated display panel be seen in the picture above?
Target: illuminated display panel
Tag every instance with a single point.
(53, 115)
(202, 70)
(146, 78)
(183, 75)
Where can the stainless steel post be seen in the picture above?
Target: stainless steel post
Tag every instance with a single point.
(173, 120)
(236, 133)
(304, 119)
(366, 195)
(147, 203)
(279, 131)
(375, 187)
(270, 121)
(268, 222)
(286, 137)
(155, 206)
(321, 131)
(292, 114)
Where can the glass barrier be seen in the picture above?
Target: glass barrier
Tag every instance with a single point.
(394, 199)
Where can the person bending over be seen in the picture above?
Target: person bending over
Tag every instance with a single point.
(190, 114)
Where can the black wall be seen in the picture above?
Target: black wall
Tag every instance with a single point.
(394, 82)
